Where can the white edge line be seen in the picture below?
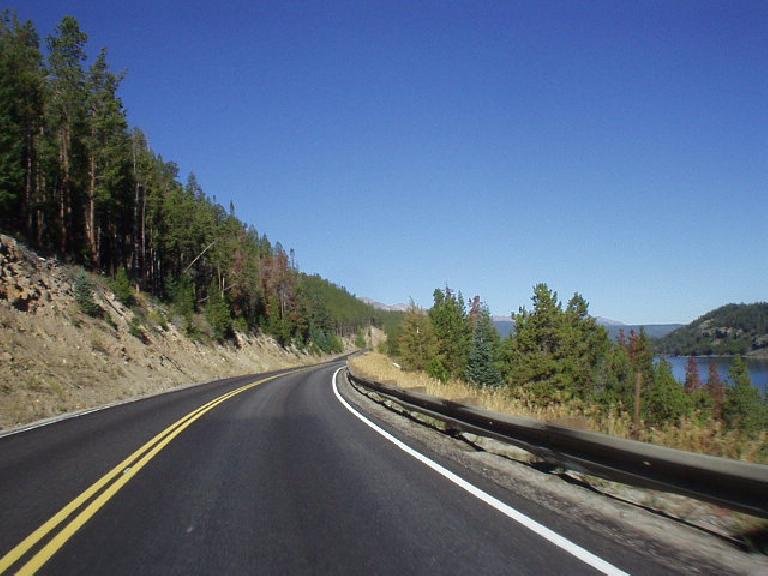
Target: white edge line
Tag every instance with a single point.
(561, 542)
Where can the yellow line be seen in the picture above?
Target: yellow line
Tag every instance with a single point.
(149, 450)
(25, 545)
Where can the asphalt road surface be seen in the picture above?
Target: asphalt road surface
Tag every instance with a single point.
(275, 478)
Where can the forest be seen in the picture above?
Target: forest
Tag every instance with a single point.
(560, 356)
(78, 183)
(730, 329)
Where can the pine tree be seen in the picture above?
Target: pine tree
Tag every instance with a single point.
(66, 115)
(665, 399)
(744, 409)
(417, 340)
(107, 155)
(21, 116)
(643, 373)
(583, 345)
(121, 286)
(692, 380)
(481, 367)
(83, 289)
(217, 313)
(452, 334)
(716, 390)
(559, 354)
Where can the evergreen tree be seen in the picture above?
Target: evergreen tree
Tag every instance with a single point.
(83, 289)
(217, 313)
(417, 340)
(73, 179)
(452, 334)
(692, 380)
(182, 293)
(66, 116)
(583, 346)
(121, 286)
(613, 381)
(744, 409)
(481, 367)
(555, 354)
(532, 355)
(716, 390)
(107, 154)
(665, 399)
(643, 372)
(21, 116)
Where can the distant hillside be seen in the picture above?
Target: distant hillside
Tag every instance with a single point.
(381, 306)
(506, 327)
(730, 329)
(652, 330)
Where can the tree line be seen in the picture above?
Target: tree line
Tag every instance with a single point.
(77, 182)
(560, 355)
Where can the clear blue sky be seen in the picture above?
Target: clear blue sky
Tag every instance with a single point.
(618, 149)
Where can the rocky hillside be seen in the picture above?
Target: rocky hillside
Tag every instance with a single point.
(730, 329)
(54, 358)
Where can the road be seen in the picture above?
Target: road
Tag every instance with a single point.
(276, 478)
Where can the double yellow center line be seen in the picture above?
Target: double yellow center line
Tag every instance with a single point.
(114, 480)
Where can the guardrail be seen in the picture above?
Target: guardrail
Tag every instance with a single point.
(731, 483)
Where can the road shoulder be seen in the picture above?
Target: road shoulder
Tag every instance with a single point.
(665, 541)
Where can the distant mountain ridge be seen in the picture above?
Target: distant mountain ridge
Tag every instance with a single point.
(505, 326)
(400, 307)
(730, 329)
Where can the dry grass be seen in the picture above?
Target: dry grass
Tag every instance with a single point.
(58, 361)
(687, 435)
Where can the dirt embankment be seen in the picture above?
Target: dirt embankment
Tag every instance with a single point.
(54, 358)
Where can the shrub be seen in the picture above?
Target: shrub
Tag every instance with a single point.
(744, 409)
(137, 329)
(217, 313)
(182, 294)
(240, 324)
(84, 295)
(121, 286)
(336, 346)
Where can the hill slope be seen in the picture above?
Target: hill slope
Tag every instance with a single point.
(730, 329)
(54, 358)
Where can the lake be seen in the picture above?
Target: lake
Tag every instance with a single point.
(758, 368)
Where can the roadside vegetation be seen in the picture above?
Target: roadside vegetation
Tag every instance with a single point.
(77, 183)
(561, 366)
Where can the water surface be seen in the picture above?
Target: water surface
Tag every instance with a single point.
(758, 368)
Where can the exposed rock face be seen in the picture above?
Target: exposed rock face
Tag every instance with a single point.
(26, 280)
(55, 358)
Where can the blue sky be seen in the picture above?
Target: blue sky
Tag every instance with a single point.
(618, 149)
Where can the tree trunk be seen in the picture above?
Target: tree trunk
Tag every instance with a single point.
(64, 194)
(39, 200)
(28, 179)
(143, 263)
(636, 407)
(113, 252)
(90, 215)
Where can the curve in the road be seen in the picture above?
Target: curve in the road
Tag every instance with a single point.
(119, 476)
(280, 479)
(549, 535)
